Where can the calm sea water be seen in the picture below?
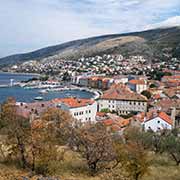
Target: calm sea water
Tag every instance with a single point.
(6, 77)
(26, 95)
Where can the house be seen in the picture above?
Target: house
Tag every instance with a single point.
(121, 99)
(157, 122)
(112, 122)
(138, 85)
(33, 110)
(153, 120)
(83, 110)
(171, 81)
(120, 79)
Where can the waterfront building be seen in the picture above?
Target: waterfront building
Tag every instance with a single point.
(83, 110)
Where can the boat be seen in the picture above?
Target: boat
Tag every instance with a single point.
(43, 91)
(38, 98)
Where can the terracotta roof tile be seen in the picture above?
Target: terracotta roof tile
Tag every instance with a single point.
(73, 102)
(122, 92)
(137, 81)
(165, 117)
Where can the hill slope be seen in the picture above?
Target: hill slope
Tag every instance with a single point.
(157, 43)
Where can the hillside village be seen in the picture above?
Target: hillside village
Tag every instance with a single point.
(133, 96)
(136, 111)
(108, 64)
(124, 99)
(90, 90)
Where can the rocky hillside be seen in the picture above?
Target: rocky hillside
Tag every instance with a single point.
(157, 43)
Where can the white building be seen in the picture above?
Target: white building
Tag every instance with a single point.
(120, 79)
(83, 110)
(138, 85)
(121, 99)
(158, 122)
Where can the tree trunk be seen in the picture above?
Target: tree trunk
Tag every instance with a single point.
(33, 159)
(136, 177)
(176, 159)
(22, 153)
(93, 167)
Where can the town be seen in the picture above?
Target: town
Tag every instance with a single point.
(90, 90)
(130, 97)
(120, 101)
(108, 64)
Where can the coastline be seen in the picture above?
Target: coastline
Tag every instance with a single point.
(31, 74)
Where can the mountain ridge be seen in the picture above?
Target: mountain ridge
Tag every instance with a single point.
(154, 43)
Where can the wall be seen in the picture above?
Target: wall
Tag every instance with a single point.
(156, 124)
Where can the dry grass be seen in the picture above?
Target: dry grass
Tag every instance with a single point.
(74, 168)
(163, 168)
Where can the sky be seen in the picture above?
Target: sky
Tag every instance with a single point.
(27, 25)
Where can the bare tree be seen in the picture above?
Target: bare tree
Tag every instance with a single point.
(94, 143)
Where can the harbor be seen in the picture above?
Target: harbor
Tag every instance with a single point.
(34, 91)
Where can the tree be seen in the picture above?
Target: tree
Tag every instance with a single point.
(136, 161)
(61, 124)
(171, 145)
(105, 110)
(17, 130)
(146, 94)
(152, 86)
(94, 143)
(52, 130)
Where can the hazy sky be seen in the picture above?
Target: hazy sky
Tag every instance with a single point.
(26, 25)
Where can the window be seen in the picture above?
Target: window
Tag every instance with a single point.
(89, 111)
(158, 122)
(89, 119)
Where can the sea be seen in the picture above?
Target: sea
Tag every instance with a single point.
(28, 95)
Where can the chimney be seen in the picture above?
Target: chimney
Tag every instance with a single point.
(173, 116)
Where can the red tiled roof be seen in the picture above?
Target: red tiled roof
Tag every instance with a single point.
(137, 81)
(144, 117)
(162, 115)
(118, 123)
(101, 114)
(122, 92)
(157, 96)
(108, 122)
(74, 102)
(172, 77)
(165, 117)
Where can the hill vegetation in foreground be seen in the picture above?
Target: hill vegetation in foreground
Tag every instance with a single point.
(58, 147)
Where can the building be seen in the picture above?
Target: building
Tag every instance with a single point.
(112, 122)
(121, 99)
(120, 79)
(138, 85)
(33, 110)
(158, 121)
(83, 110)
